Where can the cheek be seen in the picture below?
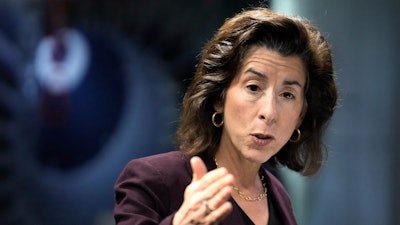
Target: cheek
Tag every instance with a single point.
(235, 110)
(290, 117)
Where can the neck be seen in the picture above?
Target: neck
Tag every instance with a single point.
(246, 188)
(246, 173)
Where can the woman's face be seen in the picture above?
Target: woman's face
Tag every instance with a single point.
(263, 105)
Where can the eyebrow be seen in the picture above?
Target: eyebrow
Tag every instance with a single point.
(292, 82)
(258, 74)
(265, 77)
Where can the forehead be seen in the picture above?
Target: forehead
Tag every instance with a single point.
(271, 62)
(267, 57)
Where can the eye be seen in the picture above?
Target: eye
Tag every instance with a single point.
(253, 87)
(288, 95)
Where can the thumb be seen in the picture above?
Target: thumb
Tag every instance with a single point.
(198, 167)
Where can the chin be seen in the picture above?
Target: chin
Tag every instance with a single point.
(258, 156)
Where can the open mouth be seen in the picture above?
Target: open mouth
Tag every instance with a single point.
(262, 136)
(262, 139)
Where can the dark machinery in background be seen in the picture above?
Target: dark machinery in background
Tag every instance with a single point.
(86, 86)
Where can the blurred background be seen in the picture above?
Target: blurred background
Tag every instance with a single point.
(86, 86)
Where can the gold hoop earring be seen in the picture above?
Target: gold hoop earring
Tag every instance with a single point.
(213, 120)
(298, 137)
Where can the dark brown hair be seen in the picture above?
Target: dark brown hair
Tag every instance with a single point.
(222, 57)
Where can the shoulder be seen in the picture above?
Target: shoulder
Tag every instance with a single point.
(274, 182)
(277, 191)
(172, 165)
(278, 194)
(161, 163)
(157, 180)
(155, 183)
(162, 158)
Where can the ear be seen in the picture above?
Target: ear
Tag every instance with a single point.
(218, 107)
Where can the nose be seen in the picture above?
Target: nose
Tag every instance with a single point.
(268, 109)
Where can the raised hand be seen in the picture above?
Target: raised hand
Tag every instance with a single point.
(206, 197)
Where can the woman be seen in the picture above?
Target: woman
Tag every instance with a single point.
(263, 91)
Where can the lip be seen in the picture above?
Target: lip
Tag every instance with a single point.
(262, 139)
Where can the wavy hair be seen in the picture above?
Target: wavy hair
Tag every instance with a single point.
(223, 56)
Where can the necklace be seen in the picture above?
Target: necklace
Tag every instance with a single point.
(245, 196)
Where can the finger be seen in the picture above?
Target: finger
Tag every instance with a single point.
(218, 214)
(217, 184)
(198, 167)
(213, 181)
(220, 197)
(206, 186)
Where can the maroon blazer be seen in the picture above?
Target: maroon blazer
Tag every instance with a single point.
(150, 190)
